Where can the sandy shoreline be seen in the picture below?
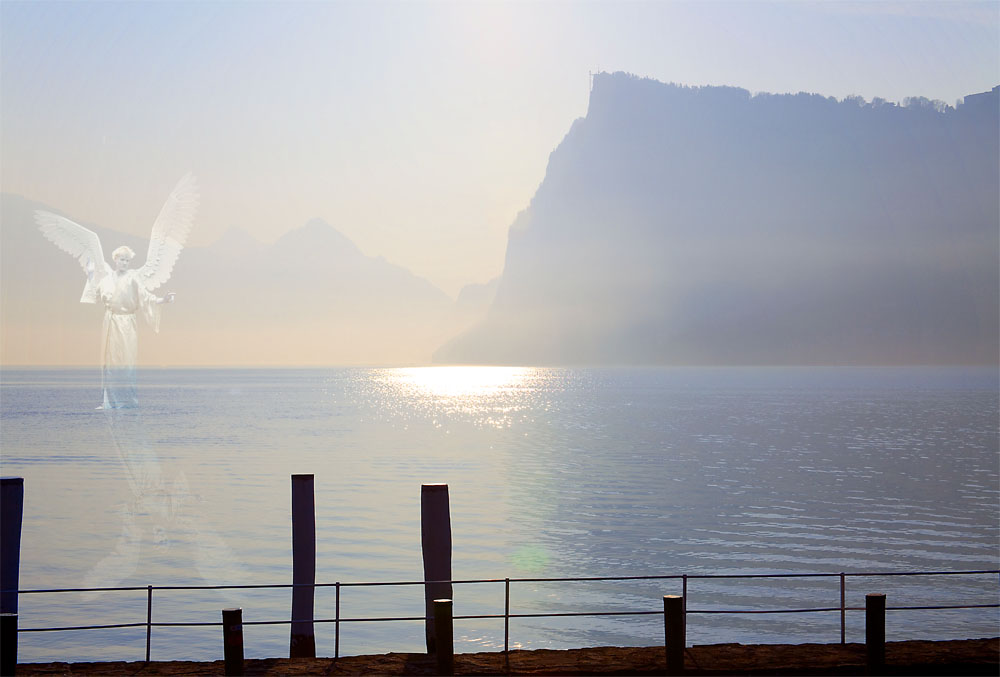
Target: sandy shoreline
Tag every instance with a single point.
(952, 657)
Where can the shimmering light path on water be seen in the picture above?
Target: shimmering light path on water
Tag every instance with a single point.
(553, 472)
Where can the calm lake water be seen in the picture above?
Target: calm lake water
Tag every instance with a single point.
(552, 473)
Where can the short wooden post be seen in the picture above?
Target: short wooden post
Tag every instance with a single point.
(674, 638)
(435, 540)
(302, 643)
(875, 632)
(444, 635)
(8, 644)
(232, 640)
(11, 508)
(843, 608)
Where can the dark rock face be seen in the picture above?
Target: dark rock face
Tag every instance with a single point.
(681, 225)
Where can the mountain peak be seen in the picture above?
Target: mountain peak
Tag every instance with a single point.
(318, 234)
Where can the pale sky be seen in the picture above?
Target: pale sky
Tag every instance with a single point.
(417, 129)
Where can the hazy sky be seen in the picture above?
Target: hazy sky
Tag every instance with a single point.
(417, 129)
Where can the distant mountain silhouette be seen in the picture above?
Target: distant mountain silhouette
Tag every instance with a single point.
(312, 297)
(706, 225)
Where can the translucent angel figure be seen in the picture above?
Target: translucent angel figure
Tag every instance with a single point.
(126, 292)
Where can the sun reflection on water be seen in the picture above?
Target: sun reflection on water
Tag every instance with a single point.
(461, 382)
(483, 396)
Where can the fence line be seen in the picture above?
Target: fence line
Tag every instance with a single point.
(859, 574)
(149, 624)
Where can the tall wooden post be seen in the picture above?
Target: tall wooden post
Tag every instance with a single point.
(11, 508)
(875, 632)
(302, 643)
(435, 540)
(674, 638)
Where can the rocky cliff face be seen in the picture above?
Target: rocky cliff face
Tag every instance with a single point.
(708, 225)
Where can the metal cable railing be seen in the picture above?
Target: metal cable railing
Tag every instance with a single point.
(685, 579)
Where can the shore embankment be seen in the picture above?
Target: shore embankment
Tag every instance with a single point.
(951, 657)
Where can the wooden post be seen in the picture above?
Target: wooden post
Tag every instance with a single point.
(875, 632)
(843, 608)
(674, 638)
(8, 642)
(149, 619)
(232, 640)
(11, 508)
(435, 540)
(302, 643)
(444, 636)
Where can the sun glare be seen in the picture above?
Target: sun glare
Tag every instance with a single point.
(450, 382)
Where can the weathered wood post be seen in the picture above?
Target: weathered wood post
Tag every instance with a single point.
(302, 643)
(11, 509)
(435, 541)
(674, 638)
(875, 632)
(444, 637)
(232, 640)
(8, 644)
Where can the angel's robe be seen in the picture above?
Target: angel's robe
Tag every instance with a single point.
(124, 296)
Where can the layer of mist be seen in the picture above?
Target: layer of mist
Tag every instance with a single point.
(675, 225)
(311, 297)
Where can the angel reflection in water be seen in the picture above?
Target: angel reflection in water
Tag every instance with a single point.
(126, 292)
(161, 508)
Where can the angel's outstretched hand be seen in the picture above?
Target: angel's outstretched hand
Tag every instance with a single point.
(168, 297)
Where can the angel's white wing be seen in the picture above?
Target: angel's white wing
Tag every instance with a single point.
(79, 242)
(170, 231)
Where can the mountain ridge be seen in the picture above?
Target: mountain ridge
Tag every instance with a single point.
(311, 297)
(680, 225)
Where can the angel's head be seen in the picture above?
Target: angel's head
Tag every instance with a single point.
(122, 257)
